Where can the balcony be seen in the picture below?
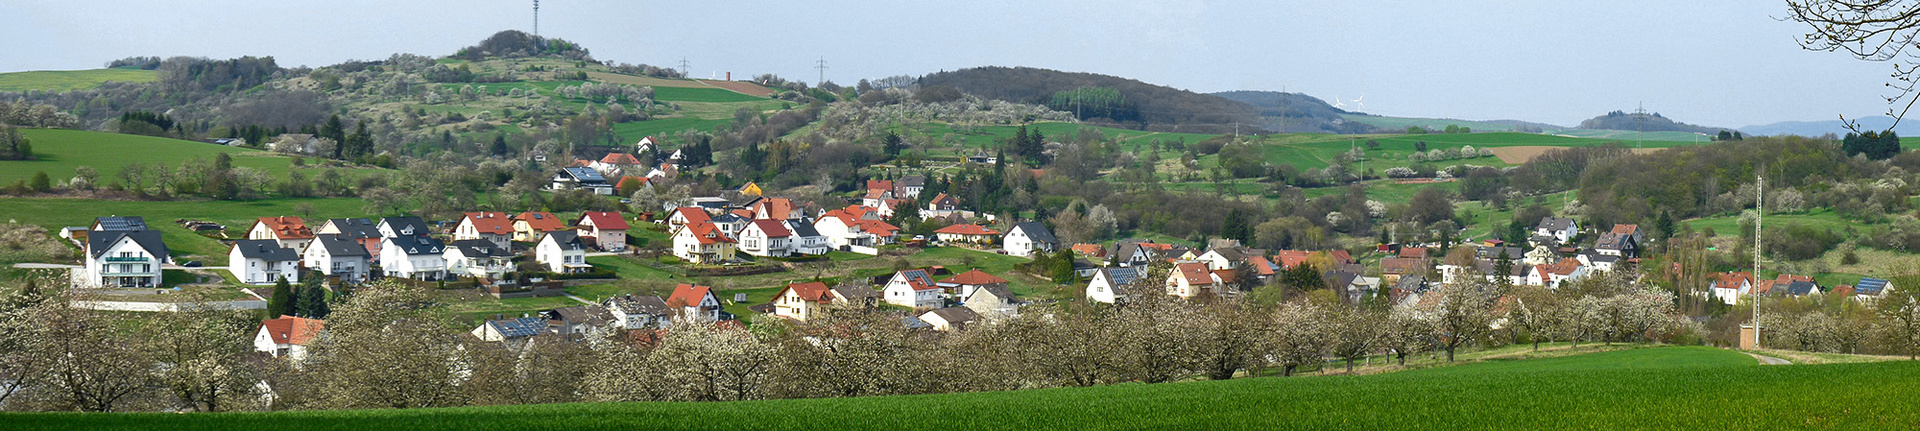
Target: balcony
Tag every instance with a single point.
(128, 259)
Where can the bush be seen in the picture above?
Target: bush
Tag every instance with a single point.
(1801, 242)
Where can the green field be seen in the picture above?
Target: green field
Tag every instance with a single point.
(59, 151)
(67, 80)
(685, 94)
(1402, 123)
(54, 213)
(662, 128)
(1656, 388)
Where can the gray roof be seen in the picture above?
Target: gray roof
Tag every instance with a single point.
(1801, 288)
(1514, 253)
(1612, 241)
(265, 249)
(1870, 286)
(99, 241)
(520, 327)
(120, 223)
(1412, 282)
(911, 181)
(1038, 232)
(585, 175)
(956, 315)
(339, 245)
(579, 314)
(358, 227)
(1124, 276)
(568, 240)
(998, 291)
(1554, 223)
(480, 248)
(802, 227)
(728, 218)
(419, 245)
(401, 224)
(855, 292)
(644, 304)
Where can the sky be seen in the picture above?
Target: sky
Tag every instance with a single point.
(1723, 63)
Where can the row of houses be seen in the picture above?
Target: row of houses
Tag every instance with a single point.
(1730, 287)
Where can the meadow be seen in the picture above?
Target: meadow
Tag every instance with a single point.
(59, 151)
(1649, 388)
(67, 80)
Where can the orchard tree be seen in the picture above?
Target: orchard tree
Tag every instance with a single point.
(1463, 314)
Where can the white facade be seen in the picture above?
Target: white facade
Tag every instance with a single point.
(349, 267)
(423, 261)
(484, 266)
(124, 263)
(1023, 241)
(561, 258)
(259, 271)
(755, 240)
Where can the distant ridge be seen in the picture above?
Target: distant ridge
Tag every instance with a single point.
(1909, 127)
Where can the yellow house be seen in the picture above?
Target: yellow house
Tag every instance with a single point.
(750, 189)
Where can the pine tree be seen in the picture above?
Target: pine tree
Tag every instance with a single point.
(313, 302)
(1063, 266)
(281, 303)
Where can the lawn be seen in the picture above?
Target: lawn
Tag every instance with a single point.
(67, 80)
(686, 94)
(238, 216)
(663, 127)
(59, 151)
(1402, 123)
(1657, 388)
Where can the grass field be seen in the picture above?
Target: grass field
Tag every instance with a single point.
(686, 94)
(59, 151)
(1656, 388)
(1402, 123)
(67, 80)
(54, 213)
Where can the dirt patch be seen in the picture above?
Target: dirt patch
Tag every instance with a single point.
(614, 78)
(747, 88)
(1521, 154)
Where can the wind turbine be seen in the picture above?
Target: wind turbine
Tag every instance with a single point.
(1357, 104)
(1337, 103)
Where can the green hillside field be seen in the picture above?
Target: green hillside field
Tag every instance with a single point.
(1652, 388)
(66, 80)
(59, 151)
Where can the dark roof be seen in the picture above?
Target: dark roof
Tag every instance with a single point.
(1036, 231)
(801, 227)
(1801, 288)
(98, 242)
(585, 175)
(727, 218)
(518, 328)
(1233, 254)
(956, 315)
(400, 225)
(418, 245)
(120, 223)
(855, 292)
(568, 240)
(644, 304)
(265, 249)
(1554, 223)
(1870, 286)
(480, 248)
(579, 314)
(339, 245)
(911, 181)
(998, 291)
(1612, 241)
(1514, 253)
(358, 227)
(1413, 283)
(1124, 276)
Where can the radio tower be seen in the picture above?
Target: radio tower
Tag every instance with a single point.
(536, 17)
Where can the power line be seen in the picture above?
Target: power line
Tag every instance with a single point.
(683, 65)
(536, 17)
(822, 65)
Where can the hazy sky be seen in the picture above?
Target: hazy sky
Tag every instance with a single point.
(1725, 63)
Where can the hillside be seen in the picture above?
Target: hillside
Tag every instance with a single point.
(1818, 128)
(1297, 113)
(1654, 388)
(1654, 122)
(1138, 105)
(65, 80)
(60, 151)
(1393, 124)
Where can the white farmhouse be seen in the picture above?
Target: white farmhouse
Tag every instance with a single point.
(262, 261)
(913, 288)
(338, 255)
(1026, 238)
(287, 336)
(766, 238)
(415, 257)
(123, 258)
(562, 252)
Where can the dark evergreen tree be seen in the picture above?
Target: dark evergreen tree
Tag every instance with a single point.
(281, 303)
(892, 143)
(337, 131)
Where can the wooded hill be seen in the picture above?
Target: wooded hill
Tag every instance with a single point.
(1296, 113)
(1141, 105)
(1651, 122)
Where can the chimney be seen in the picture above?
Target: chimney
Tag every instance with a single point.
(729, 76)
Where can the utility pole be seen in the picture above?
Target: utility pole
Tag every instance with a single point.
(536, 17)
(683, 65)
(822, 65)
(1760, 211)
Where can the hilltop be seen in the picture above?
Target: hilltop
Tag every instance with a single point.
(1297, 113)
(1654, 122)
(1103, 99)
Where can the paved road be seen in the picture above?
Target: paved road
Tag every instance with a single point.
(1769, 360)
(44, 266)
(576, 298)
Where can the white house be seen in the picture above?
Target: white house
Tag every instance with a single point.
(1026, 238)
(287, 336)
(392, 227)
(123, 258)
(912, 288)
(1190, 279)
(262, 261)
(515, 330)
(1561, 229)
(289, 231)
(637, 312)
(562, 252)
(806, 239)
(801, 301)
(605, 230)
(703, 243)
(695, 303)
(1112, 285)
(581, 178)
(1728, 287)
(994, 301)
(337, 255)
(415, 257)
(950, 318)
(494, 227)
(1224, 258)
(766, 238)
(478, 258)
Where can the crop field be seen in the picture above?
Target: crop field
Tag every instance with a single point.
(1652, 388)
(59, 151)
(1402, 123)
(703, 94)
(1629, 136)
(67, 80)
(1519, 155)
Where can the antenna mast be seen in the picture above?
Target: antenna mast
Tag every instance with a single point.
(536, 17)
(1760, 210)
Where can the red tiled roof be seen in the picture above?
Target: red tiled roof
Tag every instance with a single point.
(288, 227)
(605, 220)
(577, 163)
(1566, 266)
(943, 198)
(1625, 229)
(773, 208)
(1094, 250)
(1292, 258)
(619, 159)
(1261, 265)
(708, 233)
(974, 277)
(293, 330)
(877, 227)
(879, 185)
(1341, 256)
(1396, 265)
(541, 221)
(743, 213)
(495, 223)
(878, 193)
(687, 295)
(1194, 273)
(810, 291)
(1731, 280)
(967, 229)
(693, 215)
(1413, 252)
(773, 228)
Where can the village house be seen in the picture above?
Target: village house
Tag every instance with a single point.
(913, 288)
(766, 208)
(122, 252)
(982, 157)
(1392, 268)
(581, 178)
(478, 258)
(489, 226)
(805, 239)
(909, 187)
(287, 336)
(1112, 285)
(942, 204)
(289, 231)
(617, 164)
(695, 303)
(531, 225)
(703, 243)
(513, 331)
(578, 321)
(766, 238)
(562, 252)
(415, 257)
(1561, 271)
(1226, 258)
(965, 283)
(340, 256)
(1560, 229)
(604, 230)
(858, 296)
(1192, 279)
(1028, 237)
(855, 227)
(639, 312)
(395, 227)
(876, 198)
(1132, 252)
(993, 300)
(801, 301)
(967, 233)
(730, 223)
(360, 231)
(262, 261)
(683, 216)
(950, 318)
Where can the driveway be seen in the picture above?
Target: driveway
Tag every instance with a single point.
(1769, 360)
